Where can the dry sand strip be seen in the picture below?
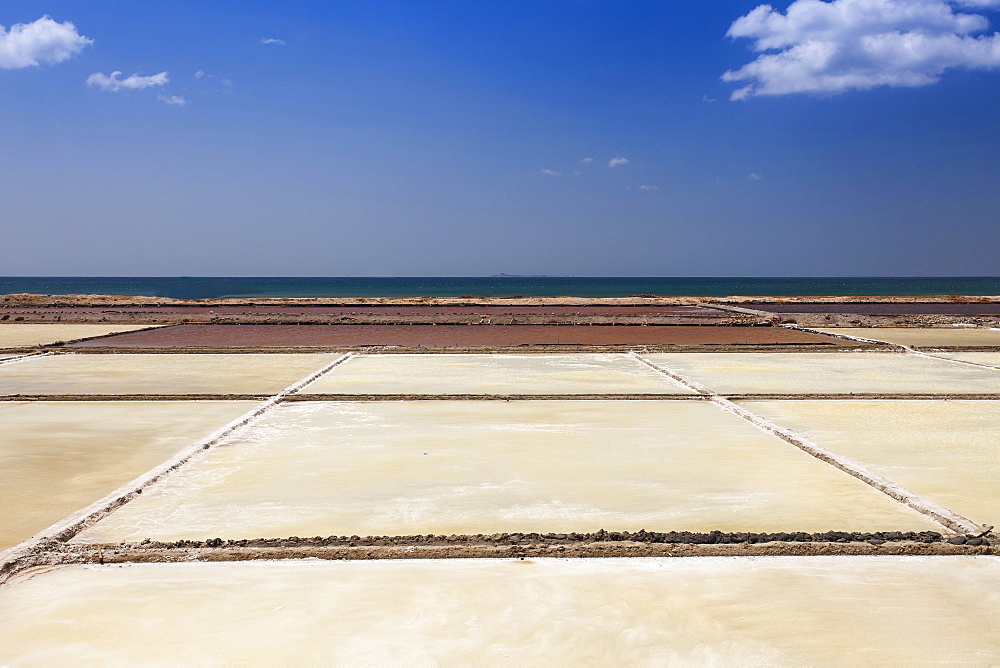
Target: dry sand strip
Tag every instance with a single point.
(938, 513)
(25, 554)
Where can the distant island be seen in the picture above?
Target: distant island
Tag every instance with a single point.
(527, 276)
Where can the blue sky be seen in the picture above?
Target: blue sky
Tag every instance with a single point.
(452, 138)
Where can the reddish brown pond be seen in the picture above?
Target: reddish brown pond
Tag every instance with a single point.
(450, 335)
(379, 310)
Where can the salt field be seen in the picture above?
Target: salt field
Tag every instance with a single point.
(58, 457)
(929, 337)
(495, 374)
(158, 374)
(829, 373)
(783, 611)
(20, 334)
(494, 474)
(992, 359)
(402, 468)
(942, 450)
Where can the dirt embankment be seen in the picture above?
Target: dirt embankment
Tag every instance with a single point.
(506, 546)
(853, 311)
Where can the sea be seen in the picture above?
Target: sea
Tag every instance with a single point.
(217, 287)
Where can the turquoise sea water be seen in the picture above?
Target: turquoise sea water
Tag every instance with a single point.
(506, 286)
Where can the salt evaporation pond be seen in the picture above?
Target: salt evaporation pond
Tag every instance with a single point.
(495, 374)
(833, 373)
(468, 467)
(776, 611)
(992, 359)
(59, 457)
(158, 374)
(17, 335)
(947, 451)
(924, 336)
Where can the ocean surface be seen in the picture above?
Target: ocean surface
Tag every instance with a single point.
(504, 286)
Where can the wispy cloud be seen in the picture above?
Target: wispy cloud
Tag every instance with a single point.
(649, 188)
(172, 99)
(41, 41)
(587, 161)
(617, 161)
(202, 74)
(550, 172)
(271, 40)
(754, 176)
(841, 45)
(114, 82)
(706, 98)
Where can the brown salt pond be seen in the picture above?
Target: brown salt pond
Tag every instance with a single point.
(454, 335)
(497, 310)
(59, 457)
(775, 611)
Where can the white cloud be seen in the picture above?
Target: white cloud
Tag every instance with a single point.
(172, 99)
(550, 172)
(41, 41)
(706, 98)
(649, 188)
(587, 161)
(199, 74)
(617, 162)
(271, 40)
(823, 47)
(754, 176)
(114, 82)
